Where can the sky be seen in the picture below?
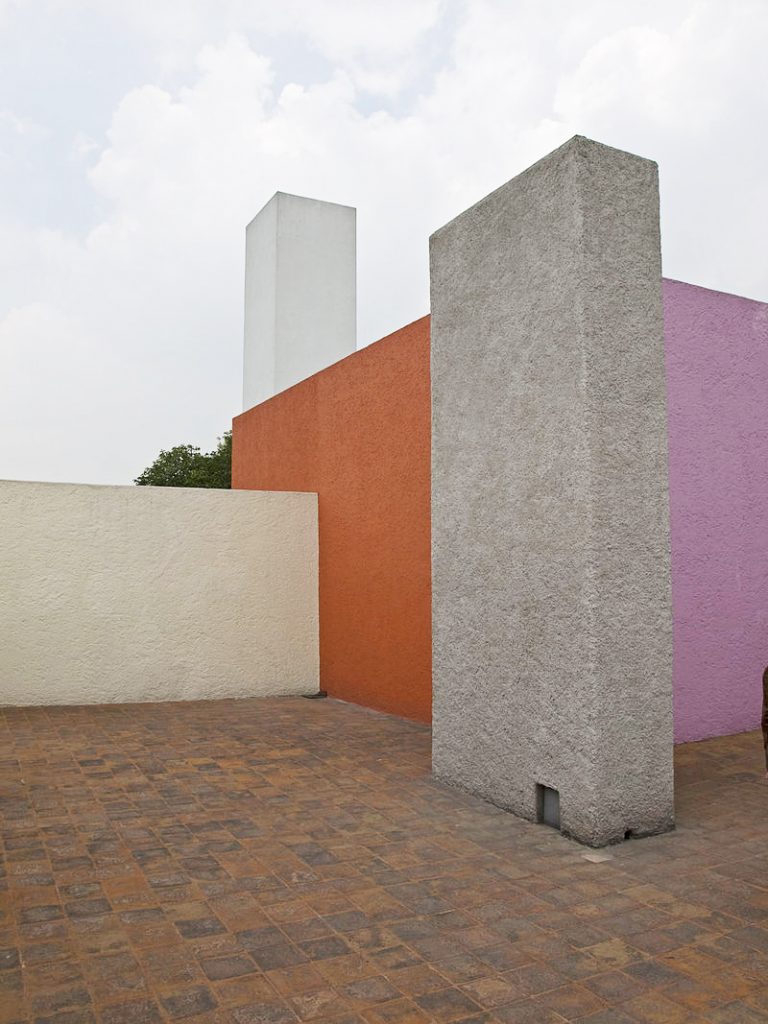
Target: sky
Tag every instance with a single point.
(138, 138)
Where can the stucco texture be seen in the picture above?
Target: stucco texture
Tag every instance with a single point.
(114, 594)
(358, 433)
(717, 369)
(550, 536)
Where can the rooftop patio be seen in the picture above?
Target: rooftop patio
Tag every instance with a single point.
(281, 859)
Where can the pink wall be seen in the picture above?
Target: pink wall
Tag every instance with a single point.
(717, 366)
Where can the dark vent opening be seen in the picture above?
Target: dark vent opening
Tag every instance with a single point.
(548, 806)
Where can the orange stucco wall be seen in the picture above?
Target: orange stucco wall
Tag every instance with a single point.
(358, 433)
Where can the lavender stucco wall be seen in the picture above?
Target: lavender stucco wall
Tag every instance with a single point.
(717, 367)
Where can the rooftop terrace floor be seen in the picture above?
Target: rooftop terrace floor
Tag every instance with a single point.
(274, 860)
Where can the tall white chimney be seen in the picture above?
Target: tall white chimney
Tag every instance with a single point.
(300, 293)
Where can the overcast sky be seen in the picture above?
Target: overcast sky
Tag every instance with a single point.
(138, 137)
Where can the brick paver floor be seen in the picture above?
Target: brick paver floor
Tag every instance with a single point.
(282, 860)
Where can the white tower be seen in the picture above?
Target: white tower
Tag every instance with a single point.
(300, 293)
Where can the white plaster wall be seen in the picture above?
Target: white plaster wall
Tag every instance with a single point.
(112, 594)
(300, 293)
(260, 306)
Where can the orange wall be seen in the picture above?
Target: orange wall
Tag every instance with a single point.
(358, 433)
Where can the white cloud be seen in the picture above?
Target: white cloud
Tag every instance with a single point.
(19, 125)
(375, 43)
(126, 337)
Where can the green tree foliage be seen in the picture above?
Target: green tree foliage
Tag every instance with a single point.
(187, 466)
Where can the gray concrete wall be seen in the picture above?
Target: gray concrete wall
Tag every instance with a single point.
(550, 536)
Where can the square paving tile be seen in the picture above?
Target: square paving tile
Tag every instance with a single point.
(281, 861)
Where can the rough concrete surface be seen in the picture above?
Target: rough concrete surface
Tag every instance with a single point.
(111, 594)
(550, 536)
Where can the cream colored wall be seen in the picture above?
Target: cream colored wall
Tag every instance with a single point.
(112, 594)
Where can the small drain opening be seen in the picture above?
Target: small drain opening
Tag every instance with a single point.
(548, 806)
